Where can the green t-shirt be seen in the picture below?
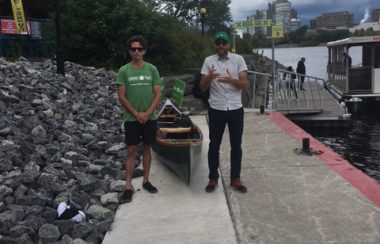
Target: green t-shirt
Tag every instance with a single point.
(139, 83)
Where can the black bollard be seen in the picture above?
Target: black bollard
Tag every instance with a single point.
(262, 109)
(305, 144)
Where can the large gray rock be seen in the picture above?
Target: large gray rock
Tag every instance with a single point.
(48, 233)
(61, 141)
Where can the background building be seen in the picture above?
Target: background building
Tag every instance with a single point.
(369, 21)
(364, 26)
(333, 20)
(375, 15)
(281, 13)
(294, 24)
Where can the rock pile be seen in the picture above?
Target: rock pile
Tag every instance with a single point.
(60, 141)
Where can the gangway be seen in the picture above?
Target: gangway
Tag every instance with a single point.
(314, 104)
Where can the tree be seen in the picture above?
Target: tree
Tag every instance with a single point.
(244, 45)
(95, 33)
(217, 16)
(183, 10)
(39, 9)
(298, 35)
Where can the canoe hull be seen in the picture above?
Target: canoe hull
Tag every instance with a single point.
(181, 160)
(178, 141)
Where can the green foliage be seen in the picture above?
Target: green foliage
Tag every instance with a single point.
(182, 10)
(217, 15)
(368, 32)
(298, 35)
(95, 33)
(187, 11)
(323, 36)
(244, 45)
(38, 9)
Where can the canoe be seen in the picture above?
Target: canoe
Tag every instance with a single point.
(178, 141)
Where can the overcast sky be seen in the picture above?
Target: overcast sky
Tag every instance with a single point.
(307, 9)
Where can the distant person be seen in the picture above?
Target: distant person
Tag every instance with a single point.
(301, 69)
(139, 93)
(225, 73)
(347, 59)
(291, 82)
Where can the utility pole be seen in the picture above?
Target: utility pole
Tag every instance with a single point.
(59, 48)
(274, 95)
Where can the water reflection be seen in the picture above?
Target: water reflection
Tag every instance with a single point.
(358, 144)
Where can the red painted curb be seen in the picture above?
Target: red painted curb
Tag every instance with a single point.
(369, 187)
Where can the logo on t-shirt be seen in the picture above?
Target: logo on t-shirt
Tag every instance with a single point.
(141, 77)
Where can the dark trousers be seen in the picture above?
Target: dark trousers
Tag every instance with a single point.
(217, 123)
(302, 79)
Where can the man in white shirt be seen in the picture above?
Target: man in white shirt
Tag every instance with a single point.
(225, 74)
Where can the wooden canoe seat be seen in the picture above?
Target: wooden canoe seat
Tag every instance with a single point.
(175, 130)
(168, 116)
(165, 122)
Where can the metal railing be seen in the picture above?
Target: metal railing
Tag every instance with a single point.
(258, 91)
(285, 93)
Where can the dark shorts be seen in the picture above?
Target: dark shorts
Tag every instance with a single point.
(136, 132)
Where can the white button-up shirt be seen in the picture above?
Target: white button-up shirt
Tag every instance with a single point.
(224, 96)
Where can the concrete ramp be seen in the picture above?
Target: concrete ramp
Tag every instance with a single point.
(177, 213)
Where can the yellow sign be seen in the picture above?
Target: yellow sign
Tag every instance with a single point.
(253, 23)
(18, 14)
(277, 31)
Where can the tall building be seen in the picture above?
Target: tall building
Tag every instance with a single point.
(375, 15)
(282, 15)
(293, 14)
(333, 20)
(281, 12)
(294, 24)
(263, 14)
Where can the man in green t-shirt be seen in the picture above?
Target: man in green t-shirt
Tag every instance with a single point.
(139, 93)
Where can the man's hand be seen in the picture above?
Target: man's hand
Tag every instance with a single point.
(142, 117)
(212, 75)
(227, 79)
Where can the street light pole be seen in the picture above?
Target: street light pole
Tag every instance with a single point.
(203, 12)
(234, 42)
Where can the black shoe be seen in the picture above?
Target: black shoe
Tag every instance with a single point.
(127, 196)
(238, 186)
(211, 185)
(149, 187)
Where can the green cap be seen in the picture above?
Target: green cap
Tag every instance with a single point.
(222, 35)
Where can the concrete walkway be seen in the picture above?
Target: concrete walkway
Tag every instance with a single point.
(177, 213)
(291, 198)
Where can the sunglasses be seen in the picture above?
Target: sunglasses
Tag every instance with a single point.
(220, 42)
(134, 49)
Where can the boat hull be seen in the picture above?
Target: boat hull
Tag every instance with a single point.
(180, 159)
(178, 141)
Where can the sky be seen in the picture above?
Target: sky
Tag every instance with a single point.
(307, 9)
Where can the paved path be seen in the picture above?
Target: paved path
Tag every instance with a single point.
(291, 198)
(178, 213)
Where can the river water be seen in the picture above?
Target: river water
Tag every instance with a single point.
(360, 143)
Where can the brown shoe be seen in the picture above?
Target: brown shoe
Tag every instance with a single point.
(238, 186)
(211, 185)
